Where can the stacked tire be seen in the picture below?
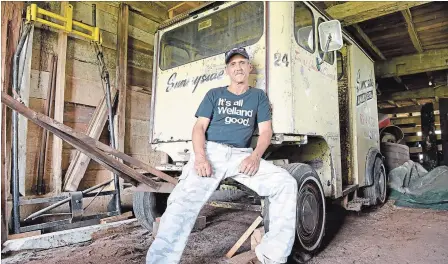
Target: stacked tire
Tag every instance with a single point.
(395, 154)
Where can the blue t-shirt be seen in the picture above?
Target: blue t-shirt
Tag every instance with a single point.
(233, 118)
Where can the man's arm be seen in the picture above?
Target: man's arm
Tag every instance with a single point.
(201, 164)
(250, 165)
(264, 139)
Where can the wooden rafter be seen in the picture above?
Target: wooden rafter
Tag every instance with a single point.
(411, 30)
(369, 42)
(350, 13)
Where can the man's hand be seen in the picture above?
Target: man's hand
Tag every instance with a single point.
(250, 165)
(202, 166)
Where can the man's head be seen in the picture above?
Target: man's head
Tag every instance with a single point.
(238, 66)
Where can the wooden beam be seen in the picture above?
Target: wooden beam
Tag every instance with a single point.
(417, 138)
(369, 42)
(441, 91)
(391, 102)
(121, 77)
(411, 30)
(404, 109)
(59, 106)
(354, 12)
(416, 129)
(431, 60)
(417, 120)
(414, 150)
(80, 162)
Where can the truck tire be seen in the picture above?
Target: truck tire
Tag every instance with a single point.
(310, 219)
(148, 206)
(377, 192)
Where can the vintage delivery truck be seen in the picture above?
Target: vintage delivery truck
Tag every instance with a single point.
(323, 103)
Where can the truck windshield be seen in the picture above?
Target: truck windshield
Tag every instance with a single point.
(236, 26)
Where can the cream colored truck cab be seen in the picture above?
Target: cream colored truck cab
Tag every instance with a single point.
(324, 107)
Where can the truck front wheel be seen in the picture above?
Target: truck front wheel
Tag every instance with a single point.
(310, 215)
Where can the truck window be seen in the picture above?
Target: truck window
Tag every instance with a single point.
(304, 26)
(236, 26)
(329, 58)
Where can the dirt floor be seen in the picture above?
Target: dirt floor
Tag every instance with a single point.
(385, 235)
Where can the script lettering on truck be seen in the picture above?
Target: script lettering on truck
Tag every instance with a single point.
(364, 89)
(173, 84)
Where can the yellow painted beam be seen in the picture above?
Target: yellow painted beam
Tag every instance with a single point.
(431, 60)
(350, 13)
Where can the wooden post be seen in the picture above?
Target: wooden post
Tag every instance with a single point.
(443, 104)
(59, 107)
(429, 138)
(122, 62)
(11, 22)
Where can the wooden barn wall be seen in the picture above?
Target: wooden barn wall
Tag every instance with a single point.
(83, 89)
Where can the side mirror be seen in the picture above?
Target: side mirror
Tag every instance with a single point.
(330, 36)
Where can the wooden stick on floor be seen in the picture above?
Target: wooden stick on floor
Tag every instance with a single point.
(243, 238)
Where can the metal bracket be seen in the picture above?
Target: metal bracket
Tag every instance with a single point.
(76, 206)
(93, 33)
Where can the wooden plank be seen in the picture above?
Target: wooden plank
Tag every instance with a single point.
(405, 109)
(77, 90)
(109, 23)
(59, 106)
(255, 238)
(93, 148)
(149, 10)
(431, 60)
(138, 108)
(414, 150)
(417, 138)
(80, 162)
(82, 91)
(116, 218)
(411, 120)
(42, 160)
(363, 36)
(243, 238)
(411, 130)
(411, 30)
(122, 63)
(23, 235)
(143, 23)
(355, 12)
(430, 92)
(24, 93)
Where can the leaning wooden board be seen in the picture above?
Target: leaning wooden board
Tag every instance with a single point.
(91, 147)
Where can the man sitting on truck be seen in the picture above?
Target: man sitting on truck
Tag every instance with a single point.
(226, 120)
